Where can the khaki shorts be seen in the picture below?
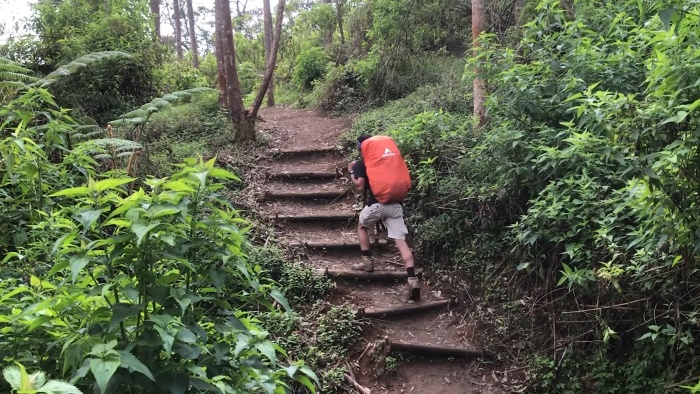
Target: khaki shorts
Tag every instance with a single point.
(390, 214)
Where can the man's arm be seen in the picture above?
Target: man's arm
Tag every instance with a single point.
(359, 182)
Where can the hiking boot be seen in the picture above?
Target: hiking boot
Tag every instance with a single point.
(366, 265)
(413, 290)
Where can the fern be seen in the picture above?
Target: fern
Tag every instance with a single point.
(77, 65)
(105, 148)
(141, 115)
(13, 75)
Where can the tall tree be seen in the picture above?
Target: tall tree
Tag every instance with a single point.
(178, 27)
(331, 30)
(193, 35)
(478, 22)
(243, 120)
(267, 21)
(155, 10)
(219, 48)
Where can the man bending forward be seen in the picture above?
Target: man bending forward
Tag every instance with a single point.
(392, 216)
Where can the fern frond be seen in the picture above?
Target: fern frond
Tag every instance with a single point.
(77, 65)
(139, 116)
(11, 71)
(116, 144)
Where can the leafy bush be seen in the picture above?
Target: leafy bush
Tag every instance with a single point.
(119, 289)
(310, 66)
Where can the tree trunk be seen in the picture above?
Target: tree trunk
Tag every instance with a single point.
(245, 125)
(478, 20)
(329, 33)
(178, 27)
(339, 15)
(267, 20)
(270, 66)
(193, 35)
(220, 70)
(155, 10)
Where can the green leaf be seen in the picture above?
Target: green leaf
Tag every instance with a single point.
(103, 369)
(268, 349)
(167, 339)
(71, 192)
(141, 230)
(58, 387)
(310, 374)
(665, 15)
(156, 211)
(108, 184)
(306, 382)
(13, 376)
(88, 218)
(523, 265)
(279, 297)
(77, 263)
(122, 311)
(223, 174)
(179, 186)
(130, 362)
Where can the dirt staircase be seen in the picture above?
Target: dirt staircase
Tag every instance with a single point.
(313, 205)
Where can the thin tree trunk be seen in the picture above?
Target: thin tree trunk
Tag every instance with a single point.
(245, 125)
(267, 21)
(220, 70)
(339, 15)
(270, 67)
(193, 35)
(178, 27)
(329, 33)
(478, 21)
(155, 10)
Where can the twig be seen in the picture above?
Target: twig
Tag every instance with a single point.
(360, 388)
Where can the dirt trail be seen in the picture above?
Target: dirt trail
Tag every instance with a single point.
(304, 143)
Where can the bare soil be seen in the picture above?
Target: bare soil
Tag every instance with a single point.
(287, 129)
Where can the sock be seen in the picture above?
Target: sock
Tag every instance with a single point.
(411, 272)
(367, 253)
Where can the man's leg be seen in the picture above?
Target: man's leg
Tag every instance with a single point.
(368, 217)
(396, 228)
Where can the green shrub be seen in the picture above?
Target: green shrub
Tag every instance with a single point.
(310, 66)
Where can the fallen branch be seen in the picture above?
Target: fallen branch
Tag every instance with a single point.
(333, 244)
(362, 275)
(438, 350)
(360, 388)
(402, 309)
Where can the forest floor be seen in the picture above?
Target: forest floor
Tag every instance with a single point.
(302, 186)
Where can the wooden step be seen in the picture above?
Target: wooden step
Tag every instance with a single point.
(404, 309)
(377, 275)
(313, 216)
(316, 150)
(306, 194)
(335, 244)
(300, 174)
(435, 350)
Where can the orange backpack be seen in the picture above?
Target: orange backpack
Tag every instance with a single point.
(386, 169)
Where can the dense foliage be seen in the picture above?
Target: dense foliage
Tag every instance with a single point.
(581, 189)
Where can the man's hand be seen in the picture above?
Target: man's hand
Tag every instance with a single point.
(350, 165)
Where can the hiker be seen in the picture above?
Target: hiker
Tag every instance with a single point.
(382, 173)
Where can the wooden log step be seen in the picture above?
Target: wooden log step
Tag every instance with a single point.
(310, 217)
(435, 350)
(334, 244)
(306, 194)
(307, 150)
(380, 276)
(310, 174)
(404, 309)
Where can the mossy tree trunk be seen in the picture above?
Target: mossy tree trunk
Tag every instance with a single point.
(193, 35)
